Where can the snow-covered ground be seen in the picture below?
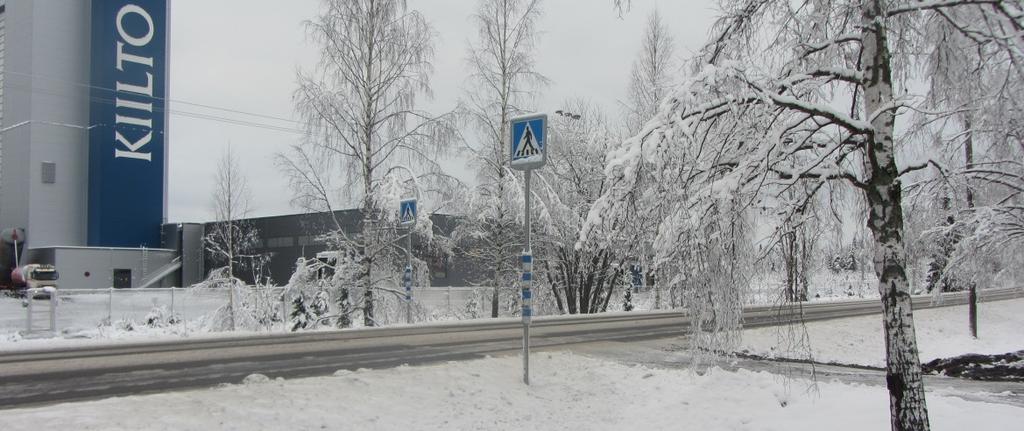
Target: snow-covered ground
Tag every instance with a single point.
(769, 288)
(941, 332)
(123, 313)
(567, 392)
(602, 389)
(82, 313)
(86, 315)
(82, 317)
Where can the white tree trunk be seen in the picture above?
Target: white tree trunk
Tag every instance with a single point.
(885, 219)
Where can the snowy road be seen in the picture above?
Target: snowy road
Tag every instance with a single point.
(43, 377)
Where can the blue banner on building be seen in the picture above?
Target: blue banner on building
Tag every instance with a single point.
(127, 144)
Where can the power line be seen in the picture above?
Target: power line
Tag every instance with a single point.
(189, 114)
(300, 127)
(209, 106)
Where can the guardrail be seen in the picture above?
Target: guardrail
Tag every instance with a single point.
(614, 325)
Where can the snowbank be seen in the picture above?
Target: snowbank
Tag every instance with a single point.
(941, 333)
(568, 392)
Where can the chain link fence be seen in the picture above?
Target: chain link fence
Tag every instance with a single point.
(92, 313)
(97, 313)
(106, 306)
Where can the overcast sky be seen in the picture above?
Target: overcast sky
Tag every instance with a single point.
(240, 57)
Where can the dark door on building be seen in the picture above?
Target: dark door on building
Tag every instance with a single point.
(122, 278)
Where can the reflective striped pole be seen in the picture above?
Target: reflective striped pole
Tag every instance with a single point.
(527, 311)
(527, 281)
(407, 278)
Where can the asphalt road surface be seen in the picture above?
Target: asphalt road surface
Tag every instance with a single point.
(61, 375)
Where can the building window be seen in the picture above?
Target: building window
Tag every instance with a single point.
(122, 278)
(282, 241)
(438, 265)
(49, 171)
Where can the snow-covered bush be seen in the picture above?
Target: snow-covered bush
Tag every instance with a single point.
(246, 307)
(843, 261)
(159, 316)
(309, 300)
(627, 299)
(124, 324)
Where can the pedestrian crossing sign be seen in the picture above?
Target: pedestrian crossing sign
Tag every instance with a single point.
(529, 141)
(407, 213)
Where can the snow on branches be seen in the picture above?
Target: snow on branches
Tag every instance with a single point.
(358, 106)
(785, 95)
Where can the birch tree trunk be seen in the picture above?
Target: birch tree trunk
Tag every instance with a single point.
(908, 410)
(367, 269)
(972, 296)
(495, 288)
(369, 239)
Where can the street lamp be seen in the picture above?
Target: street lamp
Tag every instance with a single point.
(568, 114)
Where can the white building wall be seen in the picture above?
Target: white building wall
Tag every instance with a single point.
(16, 129)
(46, 101)
(73, 263)
(44, 118)
(3, 7)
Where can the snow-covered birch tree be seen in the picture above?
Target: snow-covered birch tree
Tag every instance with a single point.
(784, 94)
(230, 240)
(359, 107)
(974, 114)
(653, 73)
(581, 279)
(502, 78)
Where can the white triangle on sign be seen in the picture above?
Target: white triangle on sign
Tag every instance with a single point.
(527, 145)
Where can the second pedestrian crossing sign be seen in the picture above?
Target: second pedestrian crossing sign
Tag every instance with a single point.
(529, 141)
(407, 213)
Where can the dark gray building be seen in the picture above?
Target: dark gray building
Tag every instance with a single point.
(288, 237)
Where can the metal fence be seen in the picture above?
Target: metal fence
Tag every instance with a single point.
(448, 299)
(137, 305)
(86, 311)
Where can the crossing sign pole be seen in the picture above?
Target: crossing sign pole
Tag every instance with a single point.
(528, 152)
(407, 219)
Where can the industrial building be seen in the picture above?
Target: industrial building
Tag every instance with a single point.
(84, 144)
(83, 137)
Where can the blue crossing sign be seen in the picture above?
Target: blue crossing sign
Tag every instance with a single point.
(529, 141)
(407, 213)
